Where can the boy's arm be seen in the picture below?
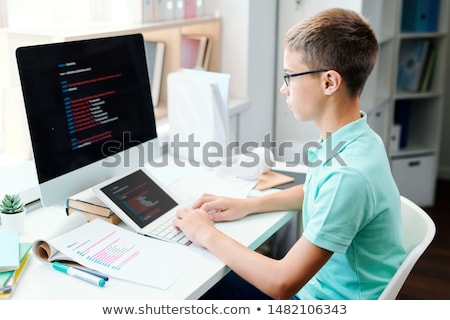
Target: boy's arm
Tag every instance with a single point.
(280, 279)
(228, 209)
(284, 200)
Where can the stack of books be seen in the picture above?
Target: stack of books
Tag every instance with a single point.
(13, 259)
(91, 210)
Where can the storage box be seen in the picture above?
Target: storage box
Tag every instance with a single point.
(415, 178)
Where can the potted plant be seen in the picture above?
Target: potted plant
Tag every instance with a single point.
(12, 212)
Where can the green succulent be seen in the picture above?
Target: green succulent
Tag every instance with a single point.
(11, 204)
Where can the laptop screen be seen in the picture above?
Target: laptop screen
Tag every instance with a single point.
(85, 100)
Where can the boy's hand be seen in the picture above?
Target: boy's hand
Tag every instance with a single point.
(221, 208)
(195, 224)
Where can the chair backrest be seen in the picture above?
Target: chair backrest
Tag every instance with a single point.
(418, 232)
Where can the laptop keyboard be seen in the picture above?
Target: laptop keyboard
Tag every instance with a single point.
(166, 231)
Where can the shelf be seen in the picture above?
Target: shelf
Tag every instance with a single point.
(411, 151)
(169, 32)
(385, 38)
(102, 29)
(402, 95)
(422, 35)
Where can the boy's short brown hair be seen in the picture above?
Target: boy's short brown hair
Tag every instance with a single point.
(337, 39)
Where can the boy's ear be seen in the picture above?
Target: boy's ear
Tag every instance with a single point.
(332, 81)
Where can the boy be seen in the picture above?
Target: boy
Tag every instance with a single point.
(352, 243)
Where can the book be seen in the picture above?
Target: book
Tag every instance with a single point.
(179, 9)
(190, 9)
(411, 63)
(428, 69)
(166, 10)
(5, 280)
(114, 219)
(207, 54)
(91, 208)
(9, 250)
(43, 249)
(195, 51)
(154, 53)
(157, 10)
(149, 10)
(13, 277)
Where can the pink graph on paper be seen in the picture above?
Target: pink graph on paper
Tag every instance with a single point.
(108, 251)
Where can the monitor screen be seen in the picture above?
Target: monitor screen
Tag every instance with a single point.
(88, 102)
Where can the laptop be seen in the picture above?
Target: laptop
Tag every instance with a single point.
(142, 203)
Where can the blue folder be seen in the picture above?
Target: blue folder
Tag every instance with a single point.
(420, 15)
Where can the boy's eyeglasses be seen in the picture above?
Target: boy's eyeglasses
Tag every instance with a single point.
(287, 77)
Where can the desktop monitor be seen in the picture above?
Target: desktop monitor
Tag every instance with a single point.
(89, 111)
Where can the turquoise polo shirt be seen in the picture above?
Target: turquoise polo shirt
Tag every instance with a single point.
(352, 208)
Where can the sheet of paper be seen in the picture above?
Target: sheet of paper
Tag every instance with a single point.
(190, 183)
(126, 255)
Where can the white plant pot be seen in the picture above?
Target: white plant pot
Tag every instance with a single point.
(14, 221)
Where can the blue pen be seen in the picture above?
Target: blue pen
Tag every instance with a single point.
(93, 272)
(79, 274)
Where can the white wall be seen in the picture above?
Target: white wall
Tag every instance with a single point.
(248, 54)
(234, 15)
(287, 128)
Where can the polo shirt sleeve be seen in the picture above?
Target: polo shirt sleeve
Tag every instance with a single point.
(343, 203)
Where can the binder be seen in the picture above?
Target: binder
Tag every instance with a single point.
(420, 15)
(412, 59)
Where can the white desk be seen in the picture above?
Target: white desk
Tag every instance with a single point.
(41, 281)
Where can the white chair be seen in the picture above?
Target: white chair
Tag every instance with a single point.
(418, 232)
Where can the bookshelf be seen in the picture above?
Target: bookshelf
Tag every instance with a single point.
(414, 162)
(170, 32)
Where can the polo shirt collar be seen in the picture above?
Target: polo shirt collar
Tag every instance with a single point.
(324, 150)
